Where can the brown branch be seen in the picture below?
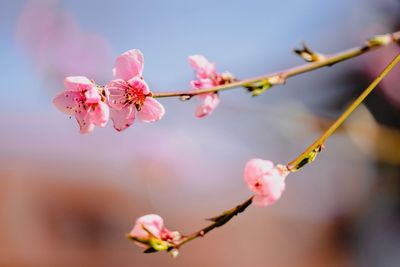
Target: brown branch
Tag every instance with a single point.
(218, 221)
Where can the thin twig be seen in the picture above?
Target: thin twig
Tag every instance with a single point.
(281, 76)
(218, 221)
(311, 152)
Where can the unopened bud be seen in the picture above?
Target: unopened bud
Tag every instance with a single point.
(276, 80)
(227, 77)
(309, 55)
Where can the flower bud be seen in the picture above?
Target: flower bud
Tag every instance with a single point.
(265, 180)
(149, 232)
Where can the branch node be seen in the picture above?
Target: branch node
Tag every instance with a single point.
(185, 97)
(308, 54)
(380, 40)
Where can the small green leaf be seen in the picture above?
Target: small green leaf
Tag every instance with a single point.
(257, 89)
(261, 90)
(158, 244)
(309, 158)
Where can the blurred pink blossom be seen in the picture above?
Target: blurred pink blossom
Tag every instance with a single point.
(207, 77)
(390, 85)
(83, 100)
(57, 45)
(265, 180)
(129, 92)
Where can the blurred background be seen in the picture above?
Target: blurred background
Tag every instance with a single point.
(68, 199)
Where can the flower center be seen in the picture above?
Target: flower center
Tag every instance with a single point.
(135, 95)
(223, 78)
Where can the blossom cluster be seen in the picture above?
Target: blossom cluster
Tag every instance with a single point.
(128, 96)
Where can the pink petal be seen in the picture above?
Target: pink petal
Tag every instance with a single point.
(139, 85)
(272, 185)
(202, 66)
(117, 90)
(123, 118)
(128, 65)
(85, 125)
(254, 170)
(210, 102)
(151, 110)
(92, 95)
(77, 83)
(202, 83)
(100, 115)
(66, 101)
(262, 201)
(152, 223)
(267, 181)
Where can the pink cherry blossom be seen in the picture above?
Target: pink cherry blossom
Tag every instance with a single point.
(84, 100)
(151, 226)
(390, 85)
(210, 102)
(129, 93)
(265, 180)
(207, 77)
(204, 69)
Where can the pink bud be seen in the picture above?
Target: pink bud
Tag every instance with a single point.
(265, 180)
(150, 227)
(147, 225)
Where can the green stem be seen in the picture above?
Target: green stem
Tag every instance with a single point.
(326, 60)
(310, 153)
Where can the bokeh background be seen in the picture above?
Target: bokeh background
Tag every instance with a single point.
(68, 199)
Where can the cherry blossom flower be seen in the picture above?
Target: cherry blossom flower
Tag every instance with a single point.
(149, 231)
(207, 77)
(84, 100)
(129, 93)
(265, 180)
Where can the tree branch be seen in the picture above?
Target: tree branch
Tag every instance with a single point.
(281, 76)
(307, 156)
